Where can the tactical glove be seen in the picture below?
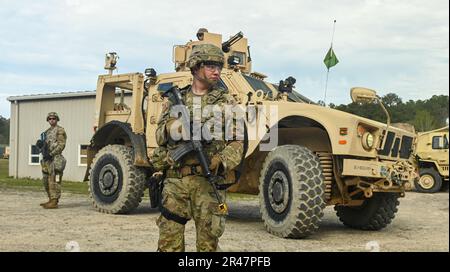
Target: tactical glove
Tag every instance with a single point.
(173, 123)
(47, 157)
(39, 144)
(215, 163)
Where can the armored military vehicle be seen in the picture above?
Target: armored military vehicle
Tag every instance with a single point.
(432, 158)
(322, 156)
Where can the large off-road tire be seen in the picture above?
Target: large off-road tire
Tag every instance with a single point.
(429, 181)
(291, 192)
(115, 184)
(374, 214)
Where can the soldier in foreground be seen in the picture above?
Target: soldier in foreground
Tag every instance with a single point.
(51, 144)
(187, 193)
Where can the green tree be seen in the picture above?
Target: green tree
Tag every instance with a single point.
(437, 106)
(424, 121)
(391, 100)
(425, 114)
(4, 130)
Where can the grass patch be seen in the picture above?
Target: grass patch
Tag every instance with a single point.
(28, 184)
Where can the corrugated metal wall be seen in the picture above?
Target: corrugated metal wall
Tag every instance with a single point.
(77, 118)
(12, 166)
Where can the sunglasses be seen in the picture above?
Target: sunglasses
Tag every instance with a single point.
(52, 118)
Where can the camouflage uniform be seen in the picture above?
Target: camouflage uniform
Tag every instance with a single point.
(191, 196)
(56, 140)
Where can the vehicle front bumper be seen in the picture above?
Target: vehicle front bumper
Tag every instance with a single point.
(389, 173)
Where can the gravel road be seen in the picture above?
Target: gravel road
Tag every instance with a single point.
(422, 224)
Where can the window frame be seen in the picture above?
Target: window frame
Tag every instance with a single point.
(80, 156)
(31, 155)
(438, 147)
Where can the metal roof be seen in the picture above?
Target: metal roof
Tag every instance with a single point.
(51, 96)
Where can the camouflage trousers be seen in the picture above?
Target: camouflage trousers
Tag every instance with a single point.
(190, 197)
(51, 180)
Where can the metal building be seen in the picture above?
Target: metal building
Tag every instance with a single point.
(28, 121)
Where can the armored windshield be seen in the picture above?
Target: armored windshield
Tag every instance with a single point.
(258, 84)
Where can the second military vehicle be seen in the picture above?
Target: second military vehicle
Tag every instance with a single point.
(432, 158)
(322, 156)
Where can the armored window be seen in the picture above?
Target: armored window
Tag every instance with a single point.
(33, 158)
(257, 84)
(82, 155)
(165, 86)
(241, 57)
(437, 142)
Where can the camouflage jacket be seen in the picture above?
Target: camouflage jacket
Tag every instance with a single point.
(230, 152)
(56, 140)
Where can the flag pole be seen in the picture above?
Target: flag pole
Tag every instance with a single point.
(328, 69)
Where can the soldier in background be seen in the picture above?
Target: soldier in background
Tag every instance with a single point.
(200, 34)
(186, 192)
(51, 144)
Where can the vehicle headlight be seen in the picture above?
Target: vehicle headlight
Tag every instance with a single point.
(367, 140)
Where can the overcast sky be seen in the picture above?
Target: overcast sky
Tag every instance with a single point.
(399, 46)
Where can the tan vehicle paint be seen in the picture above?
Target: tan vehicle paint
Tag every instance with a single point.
(352, 170)
(432, 158)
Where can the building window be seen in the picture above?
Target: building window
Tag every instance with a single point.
(34, 157)
(82, 154)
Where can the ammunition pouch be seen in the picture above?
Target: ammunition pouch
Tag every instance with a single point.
(185, 171)
(223, 182)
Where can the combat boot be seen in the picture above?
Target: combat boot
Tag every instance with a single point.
(48, 201)
(53, 204)
(45, 203)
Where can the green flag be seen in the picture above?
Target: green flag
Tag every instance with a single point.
(330, 59)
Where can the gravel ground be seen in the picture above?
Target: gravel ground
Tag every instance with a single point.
(422, 224)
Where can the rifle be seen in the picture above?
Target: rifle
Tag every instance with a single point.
(192, 145)
(43, 147)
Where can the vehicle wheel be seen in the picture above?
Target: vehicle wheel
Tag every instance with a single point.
(291, 192)
(429, 181)
(374, 214)
(115, 184)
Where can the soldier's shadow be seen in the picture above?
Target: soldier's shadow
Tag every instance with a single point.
(79, 204)
(236, 212)
(243, 212)
(144, 208)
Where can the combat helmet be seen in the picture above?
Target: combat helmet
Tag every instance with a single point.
(200, 33)
(52, 114)
(205, 53)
